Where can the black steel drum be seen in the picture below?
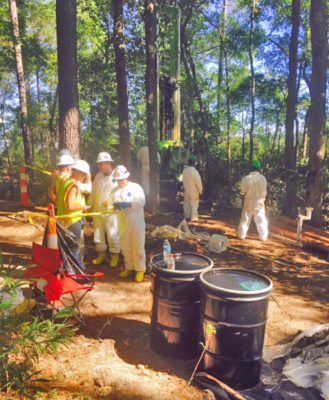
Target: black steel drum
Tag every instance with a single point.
(175, 319)
(234, 315)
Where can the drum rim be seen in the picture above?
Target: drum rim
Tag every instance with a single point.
(240, 292)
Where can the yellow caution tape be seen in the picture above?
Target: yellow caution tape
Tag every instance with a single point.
(38, 169)
(29, 218)
(29, 214)
(91, 214)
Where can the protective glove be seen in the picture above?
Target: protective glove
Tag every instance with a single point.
(116, 206)
(124, 205)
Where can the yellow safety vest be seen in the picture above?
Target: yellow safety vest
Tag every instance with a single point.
(62, 208)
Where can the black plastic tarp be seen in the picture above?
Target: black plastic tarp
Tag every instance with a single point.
(67, 242)
(273, 386)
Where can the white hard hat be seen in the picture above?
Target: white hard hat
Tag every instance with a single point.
(104, 157)
(64, 152)
(82, 166)
(120, 172)
(65, 159)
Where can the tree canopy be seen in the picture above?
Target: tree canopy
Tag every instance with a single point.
(237, 79)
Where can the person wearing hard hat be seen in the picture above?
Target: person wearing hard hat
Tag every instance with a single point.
(105, 226)
(143, 158)
(192, 189)
(128, 199)
(254, 189)
(61, 173)
(71, 203)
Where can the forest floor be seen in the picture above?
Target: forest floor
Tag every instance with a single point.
(110, 357)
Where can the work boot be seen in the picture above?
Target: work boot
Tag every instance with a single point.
(139, 277)
(126, 273)
(114, 260)
(100, 259)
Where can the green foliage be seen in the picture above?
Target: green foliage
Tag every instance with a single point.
(222, 116)
(23, 338)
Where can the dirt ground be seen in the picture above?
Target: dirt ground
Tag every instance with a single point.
(110, 357)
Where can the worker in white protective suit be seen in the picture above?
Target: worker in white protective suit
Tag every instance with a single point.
(192, 189)
(129, 199)
(105, 226)
(143, 158)
(254, 187)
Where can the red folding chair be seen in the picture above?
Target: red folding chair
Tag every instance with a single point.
(60, 289)
(44, 262)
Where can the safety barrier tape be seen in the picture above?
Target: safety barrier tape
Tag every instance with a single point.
(15, 171)
(39, 169)
(32, 214)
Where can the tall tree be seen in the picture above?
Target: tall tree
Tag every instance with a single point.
(68, 95)
(150, 88)
(228, 103)
(290, 153)
(121, 78)
(252, 80)
(21, 83)
(222, 15)
(318, 23)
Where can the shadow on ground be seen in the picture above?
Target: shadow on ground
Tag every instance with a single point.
(132, 344)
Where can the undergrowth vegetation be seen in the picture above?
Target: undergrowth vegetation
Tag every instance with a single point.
(24, 337)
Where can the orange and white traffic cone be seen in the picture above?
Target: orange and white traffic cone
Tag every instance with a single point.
(24, 194)
(52, 239)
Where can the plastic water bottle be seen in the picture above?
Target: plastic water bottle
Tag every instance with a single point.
(171, 261)
(166, 250)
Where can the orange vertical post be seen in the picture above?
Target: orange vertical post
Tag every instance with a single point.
(52, 239)
(23, 185)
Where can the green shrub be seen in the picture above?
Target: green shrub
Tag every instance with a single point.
(23, 338)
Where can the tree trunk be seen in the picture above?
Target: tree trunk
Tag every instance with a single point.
(243, 138)
(68, 95)
(192, 77)
(121, 78)
(228, 128)
(222, 33)
(318, 23)
(253, 82)
(297, 135)
(150, 88)
(52, 123)
(305, 131)
(21, 83)
(290, 155)
(227, 102)
(277, 128)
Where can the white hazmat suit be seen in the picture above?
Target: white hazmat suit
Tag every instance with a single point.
(144, 160)
(131, 225)
(253, 187)
(104, 225)
(192, 190)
